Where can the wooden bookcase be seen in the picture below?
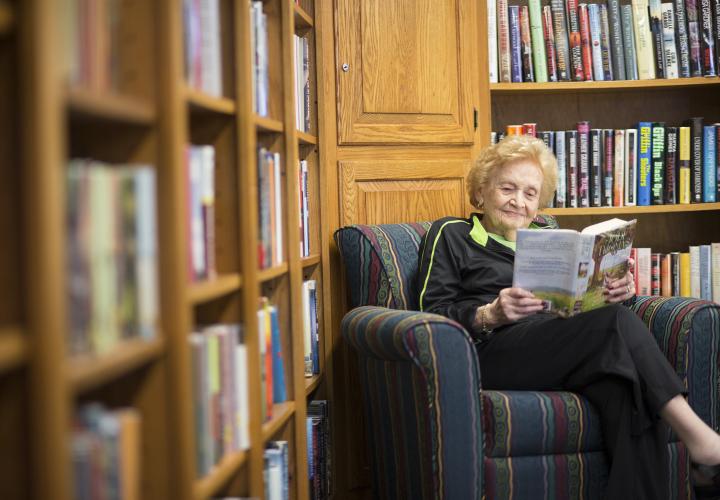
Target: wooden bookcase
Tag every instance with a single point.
(150, 117)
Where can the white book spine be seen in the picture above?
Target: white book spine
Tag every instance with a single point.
(644, 271)
(695, 272)
(561, 156)
(595, 42)
(278, 211)
(643, 40)
(705, 273)
(669, 45)
(715, 251)
(619, 169)
(243, 399)
(492, 41)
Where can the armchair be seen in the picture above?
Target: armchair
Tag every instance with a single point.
(434, 433)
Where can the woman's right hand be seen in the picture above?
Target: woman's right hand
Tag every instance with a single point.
(511, 305)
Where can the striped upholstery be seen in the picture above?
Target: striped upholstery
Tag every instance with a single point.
(423, 398)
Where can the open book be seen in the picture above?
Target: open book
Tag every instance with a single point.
(567, 269)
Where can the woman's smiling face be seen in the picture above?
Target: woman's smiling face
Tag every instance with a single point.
(511, 198)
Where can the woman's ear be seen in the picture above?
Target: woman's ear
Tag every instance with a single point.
(479, 198)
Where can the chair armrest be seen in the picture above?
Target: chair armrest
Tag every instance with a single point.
(688, 332)
(421, 385)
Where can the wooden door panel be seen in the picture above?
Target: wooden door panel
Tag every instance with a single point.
(374, 192)
(408, 74)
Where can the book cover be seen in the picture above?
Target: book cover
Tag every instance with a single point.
(696, 159)
(586, 42)
(709, 164)
(681, 34)
(617, 48)
(567, 269)
(562, 45)
(278, 366)
(575, 41)
(631, 164)
(644, 181)
(669, 45)
(628, 33)
(538, 41)
(643, 265)
(658, 163)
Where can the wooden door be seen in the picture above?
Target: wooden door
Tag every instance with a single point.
(404, 71)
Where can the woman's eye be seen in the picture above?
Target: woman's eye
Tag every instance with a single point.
(506, 190)
(531, 194)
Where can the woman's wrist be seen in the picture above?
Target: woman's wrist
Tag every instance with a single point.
(485, 319)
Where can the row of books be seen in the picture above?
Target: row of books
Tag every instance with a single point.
(318, 449)
(652, 164)
(105, 448)
(568, 40)
(311, 328)
(304, 209)
(203, 67)
(695, 273)
(220, 393)
(270, 220)
(272, 367)
(276, 471)
(92, 43)
(260, 58)
(302, 83)
(200, 168)
(111, 254)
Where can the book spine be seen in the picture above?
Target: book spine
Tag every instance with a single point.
(717, 159)
(619, 169)
(707, 39)
(605, 44)
(515, 51)
(492, 41)
(715, 264)
(656, 29)
(691, 11)
(695, 272)
(671, 166)
(538, 45)
(527, 58)
(593, 11)
(631, 68)
(616, 39)
(716, 11)
(572, 168)
(696, 159)
(583, 131)
(503, 40)
(549, 44)
(586, 41)
(665, 276)
(669, 46)
(560, 154)
(675, 274)
(681, 34)
(529, 129)
(655, 265)
(684, 166)
(658, 163)
(685, 275)
(705, 273)
(643, 40)
(631, 164)
(644, 163)
(608, 161)
(644, 267)
(578, 73)
(709, 164)
(562, 47)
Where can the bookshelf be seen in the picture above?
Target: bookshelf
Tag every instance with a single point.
(142, 109)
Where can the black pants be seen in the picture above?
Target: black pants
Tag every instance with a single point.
(609, 356)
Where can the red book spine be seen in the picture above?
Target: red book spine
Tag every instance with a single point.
(655, 281)
(529, 129)
(585, 41)
(549, 44)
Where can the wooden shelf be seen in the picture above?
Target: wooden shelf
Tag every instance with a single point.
(201, 102)
(84, 103)
(13, 348)
(263, 124)
(653, 209)
(272, 273)
(208, 486)
(303, 21)
(311, 260)
(7, 18)
(281, 413)
(619, 85)
(86, 372)
(205, 291)
(307, 139)
(311, 384)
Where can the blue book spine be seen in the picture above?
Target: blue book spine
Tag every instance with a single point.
(709, 164)
(644, 163)
(705, 273)
(314, 329)
(596, 40)
(515, 45)
(279, 391)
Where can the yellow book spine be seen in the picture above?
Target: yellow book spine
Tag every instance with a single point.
(685, 274)
(684, 164)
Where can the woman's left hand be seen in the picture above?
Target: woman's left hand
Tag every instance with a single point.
(621, 289)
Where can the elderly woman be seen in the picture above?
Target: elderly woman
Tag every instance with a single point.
(607, 354)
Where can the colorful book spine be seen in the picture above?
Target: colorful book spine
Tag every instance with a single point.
(665, 276)
(696, 159)
(561, 155)
(526, 45)
(562, 46)
(631, 164)
(655, 269)
(643, 40)
(685, 275)
(593, 11)
(577, 72)
(628, 32)
(549, 37)
(707, 39)
(605, 43)
(538, 45)
(675, 273)
(583, 132)
(586, 41)
(710, 164)
(503, 40)
(616, 39)
(684, 168)
(717, 159)
(682, 38)
(669, 45)
(608, 166)
(619, 169)
(644, 163)
(658, 163)
(691, 11)
(571, 137)
(655, 12)
(716, 11)
(671, 165)
(515, 50)
(492, 41)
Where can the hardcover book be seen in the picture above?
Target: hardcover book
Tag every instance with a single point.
(562, 46)
(567, 269)
(573, 20)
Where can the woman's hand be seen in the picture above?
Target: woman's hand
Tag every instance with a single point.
(511, 305)
(620, 289)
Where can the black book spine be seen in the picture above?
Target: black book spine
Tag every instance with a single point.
(657, 37)
(707, 39)
(675, 273)
(596, 169)
(716, 12)
(608, 141)
(571, 141)
(681, 34)
(584, 164)
(616, 39)
(691, 11)
(696, 159)
(658, 163)
(671, 165)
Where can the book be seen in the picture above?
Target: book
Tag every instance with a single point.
(503, 40)
(709, 164)
(607, 62)
(568, 270)
(656, 29)
(671, 165)
(684, 168)
(628, 34)
(549, 37)
(644, 163)
(682, 39)
(573, 22)
(572, 168)
(692, 15)
(619, 169)
(707, 41)
(538, 41)
(669, 45)
(593, 11)
(643, 40)
(528, 73)
(658, 163)
(562, 46)
(586, 41)
(616, 39)
(561, 155)
(596, 168)
(631, 145)
(492, 41)
(696, 159)
(515, 49)
(583, 162)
